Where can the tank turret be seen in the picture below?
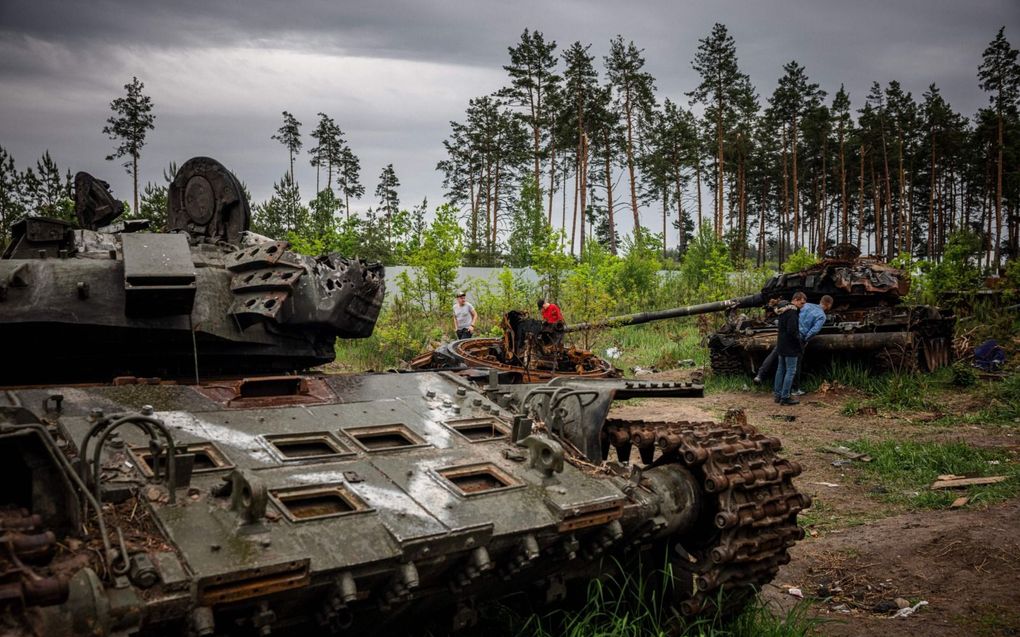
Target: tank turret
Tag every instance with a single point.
(105, 298)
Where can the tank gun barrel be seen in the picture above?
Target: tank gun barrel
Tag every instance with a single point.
(751, 300)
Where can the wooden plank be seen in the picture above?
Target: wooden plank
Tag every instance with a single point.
(966, 482)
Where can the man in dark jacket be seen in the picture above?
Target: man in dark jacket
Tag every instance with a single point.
(788, 347)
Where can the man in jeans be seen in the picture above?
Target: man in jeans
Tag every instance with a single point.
(812, 319)
(788, 349)
(464, 316)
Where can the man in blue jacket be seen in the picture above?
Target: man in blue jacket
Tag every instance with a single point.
(812, 318)
(788, 349)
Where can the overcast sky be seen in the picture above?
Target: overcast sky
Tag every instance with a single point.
(393, 74)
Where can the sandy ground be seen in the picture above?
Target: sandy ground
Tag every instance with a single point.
(863, 553)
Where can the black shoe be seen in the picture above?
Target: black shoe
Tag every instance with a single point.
(757, 380)
(789, 401)
(776, 399)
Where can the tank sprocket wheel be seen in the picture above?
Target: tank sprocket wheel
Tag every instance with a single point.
(748, 519)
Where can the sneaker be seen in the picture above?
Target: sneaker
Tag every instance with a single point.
(797, 392)
(776, 399)
(757, 380)
(789, 401)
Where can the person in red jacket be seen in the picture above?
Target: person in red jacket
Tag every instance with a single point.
(550, 312)
(553, 321)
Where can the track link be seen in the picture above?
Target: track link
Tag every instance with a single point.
(749, 510)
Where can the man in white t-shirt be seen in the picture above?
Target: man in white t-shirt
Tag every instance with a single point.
(464, 316)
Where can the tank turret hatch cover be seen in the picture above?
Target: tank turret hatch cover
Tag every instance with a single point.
(93, 204)
(207, 201)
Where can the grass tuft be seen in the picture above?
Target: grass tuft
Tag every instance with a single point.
(903, 471)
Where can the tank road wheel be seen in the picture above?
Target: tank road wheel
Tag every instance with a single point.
(745, 511)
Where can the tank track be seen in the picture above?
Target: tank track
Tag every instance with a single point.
(727, 361)
(748, 516)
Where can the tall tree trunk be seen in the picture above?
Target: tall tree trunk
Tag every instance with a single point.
(783, 224)
(665, 204)
(860, 203)
(720, 164)
(844, 233)
(877, 203)
(697, 177)
(796, 195)
(888, 194)
(998, 194)
(134, 177)
(630, 165)
(932, 184)
(681, 244)
(584, 189)
(552, 179)
(609, 194)
(573, 222)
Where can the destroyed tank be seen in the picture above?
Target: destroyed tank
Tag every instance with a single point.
(173, 466)
(869, 322)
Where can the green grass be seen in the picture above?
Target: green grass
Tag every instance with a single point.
(904, 470)
(823, 518)
(628, 606)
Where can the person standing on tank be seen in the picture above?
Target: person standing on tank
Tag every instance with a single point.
(464, 316)
(788, 349)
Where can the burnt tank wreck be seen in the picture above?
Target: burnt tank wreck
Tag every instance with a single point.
(173, 465)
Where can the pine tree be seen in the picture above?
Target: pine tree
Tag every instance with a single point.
(533, 78)
(634, 93)
(290, 136)
(794, 97)
(349, 178)
(721, 83)
(328, 150)
(843, 123)
(129, 125)
(999, 74)
(389, 201)
(580, 84)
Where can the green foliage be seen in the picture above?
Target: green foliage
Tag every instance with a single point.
(528, 224)
(705, 268)
(283, 212)
(433, 275)
(905, 469)
(512, 291)
(587, 289)
(958, 270)
(802, 259)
